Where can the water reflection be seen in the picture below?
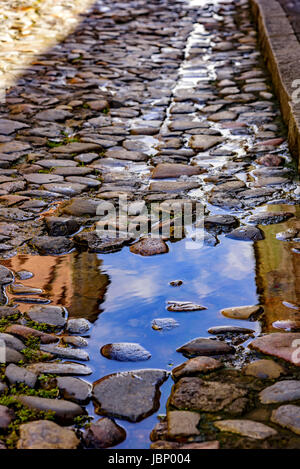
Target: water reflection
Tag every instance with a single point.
(278, 271)
(74, 281)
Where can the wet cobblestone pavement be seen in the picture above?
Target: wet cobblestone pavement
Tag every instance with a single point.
(155, 102)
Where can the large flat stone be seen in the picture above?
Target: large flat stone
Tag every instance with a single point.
(130, 395)
(64, 411)
(283, 345)
(44, 434)
(207, 396)
(247, 428)
(287, 416)
(282, 391)
(203, 346)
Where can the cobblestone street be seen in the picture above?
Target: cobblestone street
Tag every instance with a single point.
(162, 102)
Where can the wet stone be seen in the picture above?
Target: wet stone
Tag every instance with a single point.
(204, 142)
(66, 368)
(12, 342)
(207, 396)
(6, 417)
(65, 352)
(59, 226)
(64, 411)
(149, 247)
(26, 332)
(222, 330)
(81, 207)
(170, 170)
(51, 315)
(196, 365)
(20, 289)
(183, 423)
(75, 341)
(94, 243)
(174, 186)
(280, 344)
(203, 346)
(51, 245)
(41, 178)
(125, 352)
(6, 276)
(246, 233)
(104, 433)
(8, 127)
(220, 223)
(52, 115)
(24, 275)
(43, 434)
(16, 374)
(248, 428)
(282, 391)
(264, 369)
(161, 324)
(269, 218)
(181, 306)
(126, 155)
(74, 389)
(130, 395)
(78, 326)
(287, 416)
(242, 312)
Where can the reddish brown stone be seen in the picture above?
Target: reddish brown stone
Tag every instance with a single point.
(149, 247)
(285, 345)
(25, 332)
(270, 160)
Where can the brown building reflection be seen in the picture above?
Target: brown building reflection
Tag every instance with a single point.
(74, 281)
(278, 271)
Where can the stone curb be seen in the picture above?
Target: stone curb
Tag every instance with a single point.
(281, 50)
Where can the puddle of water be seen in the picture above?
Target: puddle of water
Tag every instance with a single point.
(121, 293)
(278, 271)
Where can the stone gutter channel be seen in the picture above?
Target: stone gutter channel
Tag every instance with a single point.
(281, 50)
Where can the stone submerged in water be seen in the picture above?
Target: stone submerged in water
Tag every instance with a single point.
(269, 218)
(43, 434)
(247, 428)
(203, 346)
(183, 423)
(279, 344)
(125, 352)
(130, 395)
(264, 369)
(104, 433)
(282, 391)
(207, 396)
(287, 416)
(196, 365)
(149, 247)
